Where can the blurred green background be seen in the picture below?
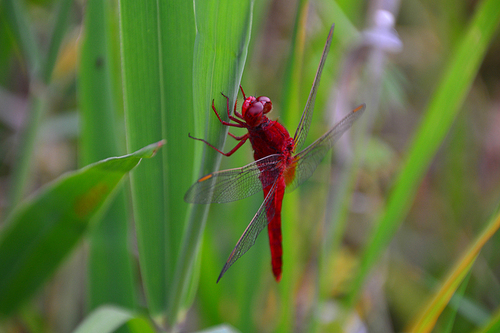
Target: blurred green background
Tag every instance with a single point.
(384, 237)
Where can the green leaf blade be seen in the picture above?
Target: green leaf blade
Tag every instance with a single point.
(43, 230)
(139, 42)
(220, 52)
(108, 319)
(111, 275)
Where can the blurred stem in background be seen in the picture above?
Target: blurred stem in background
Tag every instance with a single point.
(39, 78)
(369, 54)
(443, 107)
(292, 111)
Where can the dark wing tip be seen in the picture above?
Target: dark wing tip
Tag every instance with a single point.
(224, 269)
(228, 262)
(331, 30)
(187, 197)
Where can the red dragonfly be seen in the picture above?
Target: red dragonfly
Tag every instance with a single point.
(277, 167)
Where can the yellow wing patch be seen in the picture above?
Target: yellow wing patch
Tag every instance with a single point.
(290, 172)
(202, 179)
(358, 108)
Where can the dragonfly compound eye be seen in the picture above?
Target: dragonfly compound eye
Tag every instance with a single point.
(246, 105)
(266, 102)
(255, 110)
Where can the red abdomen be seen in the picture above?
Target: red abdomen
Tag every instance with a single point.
(267, 139)
(274, 227)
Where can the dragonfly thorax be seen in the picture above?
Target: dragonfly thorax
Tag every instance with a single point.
(254, 110)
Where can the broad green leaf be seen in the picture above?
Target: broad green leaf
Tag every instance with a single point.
(110, 270)
(219, 57)
(176, 49)
(108, 319)
(157, 41)
(441, 112)
(44, 229)
(143, 113)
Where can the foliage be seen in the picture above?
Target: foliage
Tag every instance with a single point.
(410, 219)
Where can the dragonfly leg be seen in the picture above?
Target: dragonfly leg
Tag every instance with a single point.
(235, 107)
(239, 123)
(242, 92)
(237, 137)
(239, 115)
(235, 112)
(243, 139)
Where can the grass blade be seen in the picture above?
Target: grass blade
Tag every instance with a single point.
(16, 18)
(108, 319)
(493, 326)
(459, 294)
(20, 177)
(427, 319)
(57, 37)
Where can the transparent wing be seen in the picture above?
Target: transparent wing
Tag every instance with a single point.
(308, 159)
(305, 120)
(234, 184)
(259, 222)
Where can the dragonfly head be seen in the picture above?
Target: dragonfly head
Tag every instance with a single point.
(254, 109)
